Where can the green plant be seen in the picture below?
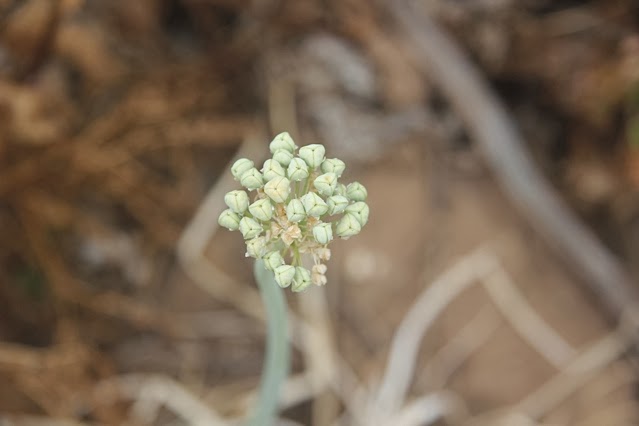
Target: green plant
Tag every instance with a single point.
(294, 206)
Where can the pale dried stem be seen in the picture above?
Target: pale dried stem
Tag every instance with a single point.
(160, 390)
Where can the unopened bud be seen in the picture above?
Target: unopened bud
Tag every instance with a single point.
(237, 201)
(256, 247)
(282, 141)
(348, 226)
(229, 220)
(360, 211)
(356, 192)
(323, 233)
(278, 189)
(262, 210)
(295, 211)
(312, 154)
(283, 157)
(314, 205)
(250, 228)
(284, 275)
(297, 170)
(326, 183)
(301, 280)
(272, 260)
(336, 204)
(252, 179)
(240, 166)
(272, 169)
(333, 165)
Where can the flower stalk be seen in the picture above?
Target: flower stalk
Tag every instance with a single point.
(276, 361)
(290, 213)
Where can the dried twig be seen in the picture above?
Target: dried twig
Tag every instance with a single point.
(504, 150)
(460, 347)
(525, 320)
(574, 375)
(161, 390)
(398, 374)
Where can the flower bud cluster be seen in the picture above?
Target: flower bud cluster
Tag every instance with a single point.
(293, 211)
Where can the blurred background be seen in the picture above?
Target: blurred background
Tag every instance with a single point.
(121, 303)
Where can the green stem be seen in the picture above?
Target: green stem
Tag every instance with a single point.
(296, 256)
(276, 363)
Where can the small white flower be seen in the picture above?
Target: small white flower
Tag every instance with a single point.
(314, 205)
(237, 201)
(295, 211)
(318, 274)
(323, 253)
(282, 141)
(290, 234)
(278, 189)
(323, 233)
(250, 228)
(261, 210)
(301, 280)
(284, 275)
(348, 226)
(229, 220)
(297, 170)
(252, 179)
(272, 169)
(240, 166)
(326, 183)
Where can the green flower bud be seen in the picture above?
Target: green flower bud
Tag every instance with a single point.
(272, 260)
(333, 165)
(237, 201)
(312, 154)
(356, 192)
(250, 228)
(360, 211)
(348, 226)
(295, 211)
(272, 169)
(323, 233)
(252, 179)
(301, 280)
(229, 220)
(278, 189)
(326, 183)
(336, 204)
(314, 205)
(297, 170)
(282, 141)
(284, 275)
(240, 166)
(283, 157)
(340, 190)
(256, 247)
(262, 210)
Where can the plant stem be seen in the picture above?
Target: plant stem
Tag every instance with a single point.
(276, 362)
